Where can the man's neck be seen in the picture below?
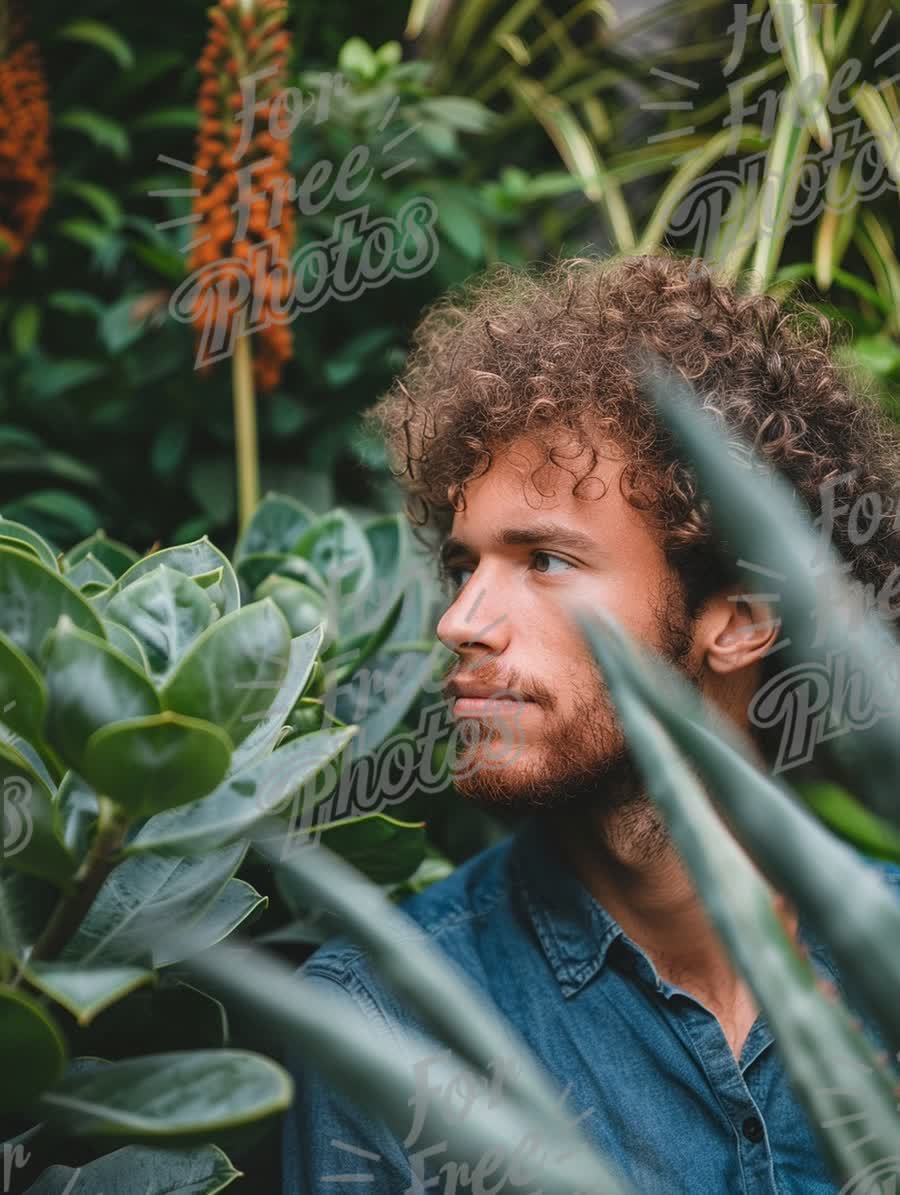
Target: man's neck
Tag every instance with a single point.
(628, 863)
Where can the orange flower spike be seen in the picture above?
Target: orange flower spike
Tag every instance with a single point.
(244, 37)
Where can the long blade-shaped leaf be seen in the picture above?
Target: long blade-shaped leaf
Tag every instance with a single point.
(780, 835)
(757, 511)
(833, 1069)
(413, 968)
(372, 1071)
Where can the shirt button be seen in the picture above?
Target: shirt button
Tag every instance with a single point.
(752, 1129)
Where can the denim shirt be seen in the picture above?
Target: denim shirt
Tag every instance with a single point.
(646, 1069)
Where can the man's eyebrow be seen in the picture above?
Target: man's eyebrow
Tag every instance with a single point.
(556, 534)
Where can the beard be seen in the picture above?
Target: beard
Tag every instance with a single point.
(581, 765)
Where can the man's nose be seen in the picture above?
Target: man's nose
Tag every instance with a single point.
(479, 617)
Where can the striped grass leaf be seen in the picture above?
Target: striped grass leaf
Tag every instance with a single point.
(784, 165)
(805, 64)
(577, 151)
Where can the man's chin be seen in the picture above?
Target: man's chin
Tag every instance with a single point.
(609, 784)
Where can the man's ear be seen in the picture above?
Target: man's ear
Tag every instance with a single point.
(742, 629)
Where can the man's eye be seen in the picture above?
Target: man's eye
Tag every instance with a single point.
(452, 575)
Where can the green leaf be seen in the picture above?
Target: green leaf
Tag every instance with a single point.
(304, 608)
(783, 171)
(337, 548)
(816, 1035)
(357, 58)
(158, 762)
(852, 821)
(32, 1050)
(245, 799)
(195, 560)
(256, 568)
(104, 132)
(32, 600)
(805, 62)
(89, 571)
(203, 1170)
(23, 694)
(234, 906)
(90, 685)
(167, 118)
(275, 526)
(231, 674)
(117, 557)
(178, 1098)
(11, 530)
(143, 899)
(120, 637)
(32, 833)
(103, 36)
(166, 611)
(268, 730)
(460, 112)
(757, 513)
(83, 991)
(384, 849)
(23, 328)
(104, 204)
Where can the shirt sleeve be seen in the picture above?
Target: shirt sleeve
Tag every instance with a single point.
(329, 1143)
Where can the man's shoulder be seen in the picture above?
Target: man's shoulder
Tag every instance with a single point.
(447, 912)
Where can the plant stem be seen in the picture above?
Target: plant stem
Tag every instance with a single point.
(73, 906)
(245, 430)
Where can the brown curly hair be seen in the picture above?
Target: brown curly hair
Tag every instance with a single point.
(520, 351)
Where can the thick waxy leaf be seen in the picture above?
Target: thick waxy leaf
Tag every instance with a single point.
(266, 733)
(143, 898)
(32, 599)
(195, 559)
(155, 763)
(330, 1033)
(276, 525)
(166, 611)
(18, 533)
(381, 847)
(337, 548)
(780, 835)
(846, 817)
(177, 1098)
(247, 798)
(116, 556)
(122, 639)
(86, 991)
(203, 1170)
(833, 1068)
(232, 673)
(236, 903)
(253, 570)
(303, 607)
(32, 1050)
(78, 808)
(32, 833)
(89, 571)
(377, 697)
(23, 694)
(90, 685)
(757, 512)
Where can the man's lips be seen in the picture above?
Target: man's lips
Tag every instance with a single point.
(479, 706)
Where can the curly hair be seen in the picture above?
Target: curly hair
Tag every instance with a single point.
(515, 352)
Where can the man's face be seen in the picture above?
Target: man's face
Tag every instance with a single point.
(558, 741)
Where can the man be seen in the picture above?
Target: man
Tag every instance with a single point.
(522, 429)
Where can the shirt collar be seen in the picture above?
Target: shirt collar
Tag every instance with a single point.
(574, 930)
